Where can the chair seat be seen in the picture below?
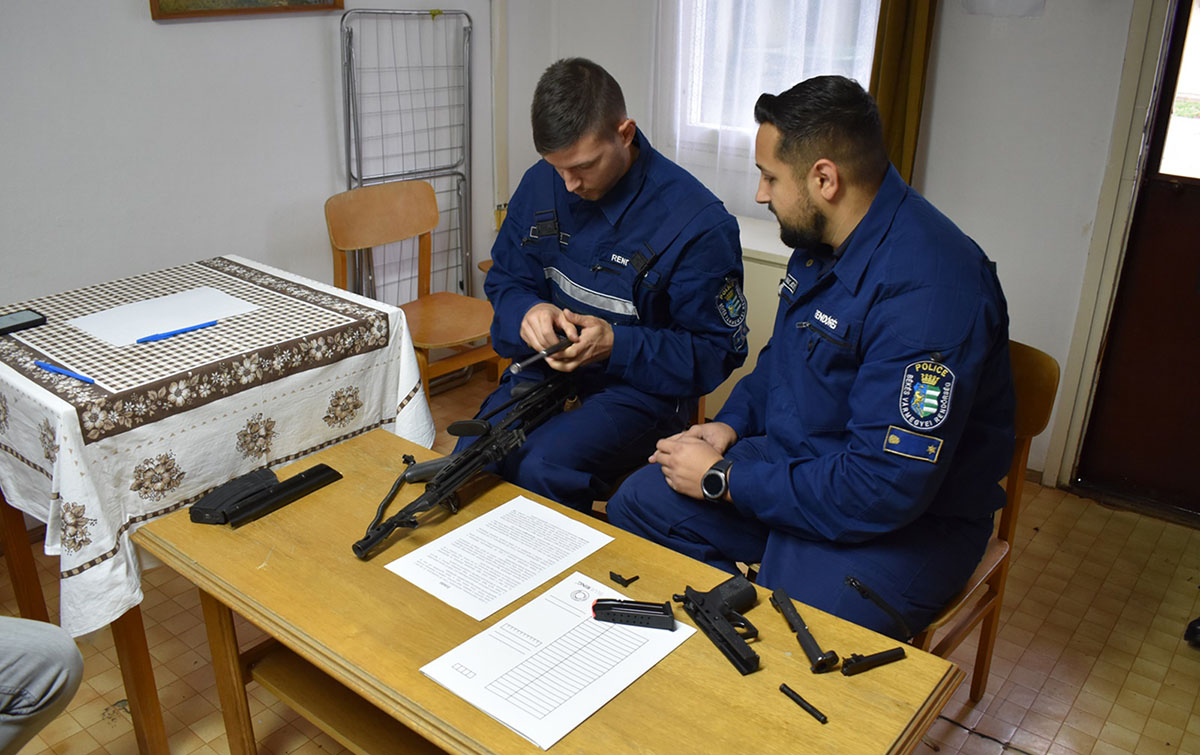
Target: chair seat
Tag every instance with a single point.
(445, 319)
(995, 554)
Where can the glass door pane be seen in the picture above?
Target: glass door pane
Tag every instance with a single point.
(1181, 150)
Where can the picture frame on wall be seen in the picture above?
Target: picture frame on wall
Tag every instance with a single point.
(168, 9)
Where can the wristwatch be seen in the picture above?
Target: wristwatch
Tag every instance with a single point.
(715, 482)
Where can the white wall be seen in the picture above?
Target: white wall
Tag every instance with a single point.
(1018, 117)
(128, 144)
(617, 34)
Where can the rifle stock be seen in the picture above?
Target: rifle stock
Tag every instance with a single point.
(443, 477)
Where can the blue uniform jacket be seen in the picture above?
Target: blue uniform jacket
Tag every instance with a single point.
(885, 391)
(657, 256)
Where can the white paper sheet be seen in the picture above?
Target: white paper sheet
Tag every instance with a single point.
(491, 561)
(543, 670)
(125, 324)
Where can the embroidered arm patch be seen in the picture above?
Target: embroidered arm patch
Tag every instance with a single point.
(925, 394)
(912, 445)
(731, 303)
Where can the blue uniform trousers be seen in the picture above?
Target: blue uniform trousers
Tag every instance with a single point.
(915, 569)
(577, 457)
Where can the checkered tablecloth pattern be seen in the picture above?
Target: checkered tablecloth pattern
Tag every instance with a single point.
(296, 327)
(162, 426)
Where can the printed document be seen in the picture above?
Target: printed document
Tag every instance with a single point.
(543, 670)
(491, 561)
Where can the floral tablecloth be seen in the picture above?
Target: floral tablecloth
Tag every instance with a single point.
(165, 422)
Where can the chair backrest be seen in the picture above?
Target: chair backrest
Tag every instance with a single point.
(1035, 383)
(383, 214)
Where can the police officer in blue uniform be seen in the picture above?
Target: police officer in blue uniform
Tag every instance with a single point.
(626, 254)
(859, 462)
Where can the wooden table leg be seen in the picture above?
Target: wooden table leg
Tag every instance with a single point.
(21, 568)
(129, 633)
(137, 671)
(227, 667)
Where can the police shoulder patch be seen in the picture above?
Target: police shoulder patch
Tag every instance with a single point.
(925, 394)
(912, 445)
(731, 303)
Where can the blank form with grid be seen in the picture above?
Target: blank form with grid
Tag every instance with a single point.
(550, 665)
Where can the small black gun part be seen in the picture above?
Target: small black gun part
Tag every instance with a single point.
(635, 613)
(282, 493)
(718, 614)
(821, 660)
(525, 364)
(215, 506)
(795, 696)
(869, 594)
(622, 581)
(856, 664)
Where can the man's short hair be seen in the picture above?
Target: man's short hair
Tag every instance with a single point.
(828, 117)
(574, 97)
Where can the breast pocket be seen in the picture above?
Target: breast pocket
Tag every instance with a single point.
(831, 362)
(594, 290)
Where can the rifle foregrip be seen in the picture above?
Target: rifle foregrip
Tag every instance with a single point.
(424, 471)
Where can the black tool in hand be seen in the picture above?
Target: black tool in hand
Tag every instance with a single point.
(821, 660)
(525, 364)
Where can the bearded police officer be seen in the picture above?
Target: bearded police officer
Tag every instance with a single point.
(622, 251)
(859, 462)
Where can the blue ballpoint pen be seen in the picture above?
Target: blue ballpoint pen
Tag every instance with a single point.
(168, 334)
(62, 371)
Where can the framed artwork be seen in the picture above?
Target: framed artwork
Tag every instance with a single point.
(166, 9)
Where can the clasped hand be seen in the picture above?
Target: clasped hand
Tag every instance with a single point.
(686, 456)
(592, 337)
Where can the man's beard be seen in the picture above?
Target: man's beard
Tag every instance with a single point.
(808, 234)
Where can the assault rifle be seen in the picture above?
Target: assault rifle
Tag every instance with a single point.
(532, 404)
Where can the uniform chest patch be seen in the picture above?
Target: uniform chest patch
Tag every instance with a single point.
(925, 394)
(731, 303)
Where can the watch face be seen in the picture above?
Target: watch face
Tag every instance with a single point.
(713, 484)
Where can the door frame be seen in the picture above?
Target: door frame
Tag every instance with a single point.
(1145, 59)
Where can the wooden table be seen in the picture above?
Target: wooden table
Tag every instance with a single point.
(293, 575)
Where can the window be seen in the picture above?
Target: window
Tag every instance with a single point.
(717, 56)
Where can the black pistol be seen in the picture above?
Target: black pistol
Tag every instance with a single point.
(717, 613)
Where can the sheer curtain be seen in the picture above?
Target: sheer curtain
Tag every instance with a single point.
(715, 57)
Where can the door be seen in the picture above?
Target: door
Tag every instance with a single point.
(1142, 440)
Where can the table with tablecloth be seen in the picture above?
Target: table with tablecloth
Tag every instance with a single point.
(167, 421)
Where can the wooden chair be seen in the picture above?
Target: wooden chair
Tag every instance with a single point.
(385, 213)
(1035, 380)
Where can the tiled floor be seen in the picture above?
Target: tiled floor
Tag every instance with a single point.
(1090, 656)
